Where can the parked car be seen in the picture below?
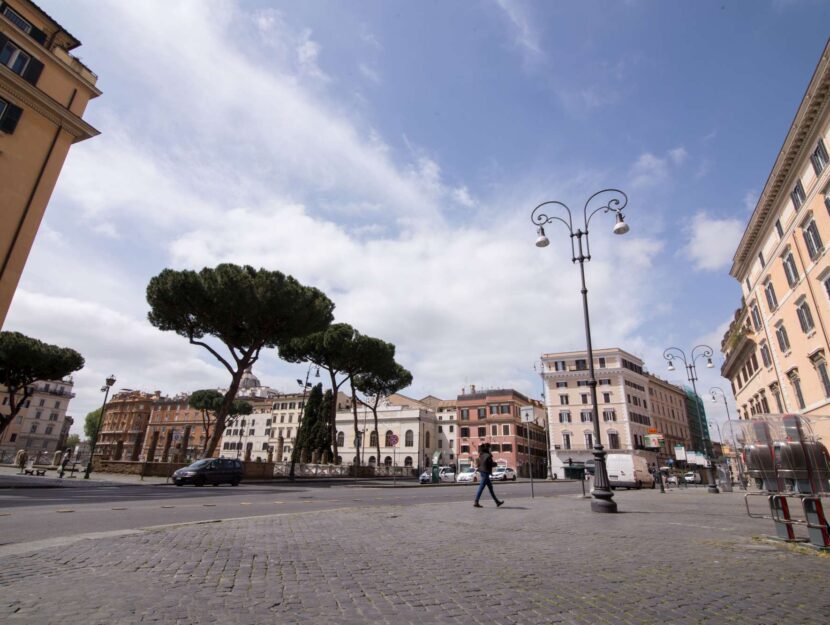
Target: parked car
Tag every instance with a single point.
(468, 474)
(671, 479)
(692, 478)
(445, 474)
(210, 471)
(504, 473)
(628, 471)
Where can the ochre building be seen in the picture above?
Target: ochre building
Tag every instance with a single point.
(44, 91)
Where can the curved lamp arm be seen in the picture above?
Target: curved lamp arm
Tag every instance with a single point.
(617, 201)
(542, 219)
(675, 352)
(705, 352)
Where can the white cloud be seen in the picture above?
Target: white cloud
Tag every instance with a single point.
(650, 170)
(712, 242)
(370, 73)
(525, 36)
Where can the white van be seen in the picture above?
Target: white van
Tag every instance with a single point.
(628, 471)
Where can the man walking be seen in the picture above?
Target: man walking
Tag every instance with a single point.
(67, 455)
(485, 468)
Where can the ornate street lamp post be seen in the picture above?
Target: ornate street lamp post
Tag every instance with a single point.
(617, 200)
(106, 391)
(698, 351)
(714, 391)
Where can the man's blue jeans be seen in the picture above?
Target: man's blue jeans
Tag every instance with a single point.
(485, 481)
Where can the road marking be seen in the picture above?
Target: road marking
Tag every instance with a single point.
(64, 511)
(244, 503)
(5, 513)
(279, 502)
(209, 505)
(168, 506)
(119, 508)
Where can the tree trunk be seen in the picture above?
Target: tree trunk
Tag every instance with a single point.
(225, 408)
(377, 438)
(356, 426)
(14, 407)
(333, 415)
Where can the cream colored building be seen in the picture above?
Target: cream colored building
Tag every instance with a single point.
(777, 348)
(39, 426)
(44, 91)
(668, 411)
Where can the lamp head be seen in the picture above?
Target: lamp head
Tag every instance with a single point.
(541, 240)
(709, 363)
(620, 227)
(671, 366)
(111, 381)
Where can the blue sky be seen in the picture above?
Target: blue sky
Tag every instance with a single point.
(390, 153)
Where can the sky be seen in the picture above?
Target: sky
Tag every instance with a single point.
(390, 153)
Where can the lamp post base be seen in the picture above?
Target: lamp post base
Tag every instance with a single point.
(713, 489)
(713, 485)
(601, 503)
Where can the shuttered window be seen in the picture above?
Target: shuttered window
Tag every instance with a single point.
(19, 61)
(9, 116)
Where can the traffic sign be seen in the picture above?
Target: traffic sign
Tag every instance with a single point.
(393, 439)
(527, 413)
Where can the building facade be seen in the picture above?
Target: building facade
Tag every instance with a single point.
(40, 424)
(446, 412)
(175, 431)
(776, 349)
(414, 424)
(494, 416)
(124, 425)
(668, 410)
(44, 91)
(632, 404)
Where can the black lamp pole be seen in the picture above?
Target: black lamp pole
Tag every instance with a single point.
(698, 351)
(715, 391)
(603, 497)
(106, 391)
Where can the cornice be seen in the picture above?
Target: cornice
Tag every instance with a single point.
(41, 103)
(810, 112)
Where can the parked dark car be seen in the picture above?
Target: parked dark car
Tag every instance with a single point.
(210, 471)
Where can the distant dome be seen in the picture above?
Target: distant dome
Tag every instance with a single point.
(249, 380)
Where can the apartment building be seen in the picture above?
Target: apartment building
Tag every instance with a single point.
(40, 425)
(446, 412)
(777, 348)
(44, 91)
(124, 425)
(668, 410)
(494, 416)
(175, 431)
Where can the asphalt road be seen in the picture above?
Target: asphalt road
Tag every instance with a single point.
(36, 514)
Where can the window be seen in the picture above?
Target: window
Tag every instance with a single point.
(559, 365)
(14, 58)
(601, 362)
(482, 413)
(606, 397)
(33, 429)
(566, 440)
(765, 355)
(584, 398)
(805, 317)
(505, 430)
(49, 429)
(586, 416)
(373, 438)
(790, 269)
(561, 385)
(440, 443)
(813, 240)
(797, 195)
(387, 438)
(756, 316)
(494, 430)
(426, 440)
(563, 400)
(589, 440)
(507, 447)
(581, 365)
(38, 414)
(465, 414)
(482, 432)
(821, 369)
(465, 432)
(17, 20)
(452, 428)
(796, 383)
(504, 409)
(779, 229)
(776, 393)
(613, 440)
(494, 409)
(769, 292)
(761, 259)
(409, 439)
(465, 449)
(819, 157)
(57, 404)
(609, 414)
(440, 429)
(564, 416)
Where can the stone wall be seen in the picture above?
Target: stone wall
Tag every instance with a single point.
(149, 469)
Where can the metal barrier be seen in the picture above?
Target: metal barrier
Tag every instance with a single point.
(788, 462)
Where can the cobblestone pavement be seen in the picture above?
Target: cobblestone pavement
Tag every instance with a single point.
(681, 558)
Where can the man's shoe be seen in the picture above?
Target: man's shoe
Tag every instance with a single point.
(499, 504)
(477, 505)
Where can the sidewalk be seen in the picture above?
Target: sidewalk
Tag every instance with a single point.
(683, 558)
